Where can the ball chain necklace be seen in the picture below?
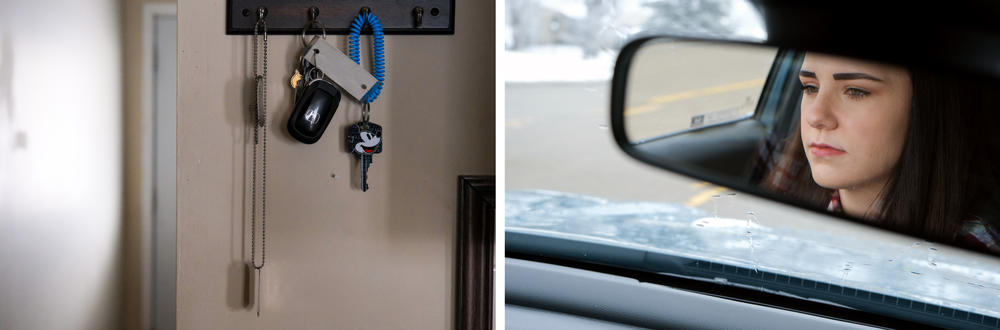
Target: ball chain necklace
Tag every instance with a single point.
(259, 112)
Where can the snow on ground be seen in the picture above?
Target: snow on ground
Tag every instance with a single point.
(556, 63)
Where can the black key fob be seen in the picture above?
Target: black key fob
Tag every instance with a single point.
(313, 111)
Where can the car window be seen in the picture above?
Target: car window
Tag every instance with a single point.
(566, 178)
(559, 57)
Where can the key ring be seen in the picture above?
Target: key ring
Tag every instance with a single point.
(366, 110)
(314, 72)
(311, 81)
(313, 13)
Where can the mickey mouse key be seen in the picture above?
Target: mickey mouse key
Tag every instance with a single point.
(365, 139)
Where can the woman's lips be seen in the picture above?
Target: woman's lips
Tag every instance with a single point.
(821, 149)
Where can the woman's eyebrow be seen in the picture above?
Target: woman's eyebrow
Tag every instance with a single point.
(854, 75)
(841, 76)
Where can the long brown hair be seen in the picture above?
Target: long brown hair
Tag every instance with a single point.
(945, 174)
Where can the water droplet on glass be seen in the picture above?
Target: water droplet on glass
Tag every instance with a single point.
(715, 206)
(749, 235)
(931, 253)
(847, 270)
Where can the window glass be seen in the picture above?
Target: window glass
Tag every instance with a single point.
(567, 180)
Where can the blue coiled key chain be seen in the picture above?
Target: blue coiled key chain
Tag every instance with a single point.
(364, 138)
(378, 45)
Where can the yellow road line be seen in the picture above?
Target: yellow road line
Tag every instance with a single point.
(704, 196)
(654, 103)
(699, 184)
(518, 123)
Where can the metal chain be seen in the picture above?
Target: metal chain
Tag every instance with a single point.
(260, 128)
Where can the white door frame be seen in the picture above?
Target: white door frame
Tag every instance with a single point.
(149, 262)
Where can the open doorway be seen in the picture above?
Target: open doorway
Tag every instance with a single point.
(160, 157)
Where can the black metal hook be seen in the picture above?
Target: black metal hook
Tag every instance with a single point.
(313, 24)
(419, 13)
(313, 13)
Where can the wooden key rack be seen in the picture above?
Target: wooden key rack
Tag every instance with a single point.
(289, 17)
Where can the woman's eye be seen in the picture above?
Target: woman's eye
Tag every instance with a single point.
(810, 89)
(856, 93)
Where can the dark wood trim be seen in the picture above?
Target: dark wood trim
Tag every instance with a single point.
(290, 17)
(476, 245)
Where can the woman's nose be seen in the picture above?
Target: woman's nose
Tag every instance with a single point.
(818, 113)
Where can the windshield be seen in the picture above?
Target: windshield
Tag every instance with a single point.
(567, 182)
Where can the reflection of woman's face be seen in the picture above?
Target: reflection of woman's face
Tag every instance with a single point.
(854, 120)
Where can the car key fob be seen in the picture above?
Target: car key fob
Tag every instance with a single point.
(313, 111)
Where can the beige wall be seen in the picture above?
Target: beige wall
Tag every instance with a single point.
(336, 257)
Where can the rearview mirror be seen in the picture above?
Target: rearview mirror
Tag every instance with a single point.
(691, 104)
(900, 147)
